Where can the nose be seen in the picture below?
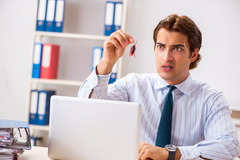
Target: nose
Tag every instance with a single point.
(167, 55)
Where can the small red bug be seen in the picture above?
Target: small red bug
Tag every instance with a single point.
(133, 49)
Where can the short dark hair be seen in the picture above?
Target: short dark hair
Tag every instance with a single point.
(186, 26)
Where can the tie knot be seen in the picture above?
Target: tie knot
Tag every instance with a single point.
(171, 88)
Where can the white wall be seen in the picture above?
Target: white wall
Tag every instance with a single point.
(16, 27)
(218, 21)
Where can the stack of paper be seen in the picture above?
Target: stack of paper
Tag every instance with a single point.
(6, 140)
(14, 138)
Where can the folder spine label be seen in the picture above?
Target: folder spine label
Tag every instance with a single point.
(42, 10)
(37, 59)
(109, 15)
(50, 15)
(33, 107)
(41, 17)
(42, 107)
(46, 56)
(118, 16)
(59, 16)
(42, 103)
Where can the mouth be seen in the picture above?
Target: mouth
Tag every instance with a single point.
(167, 68)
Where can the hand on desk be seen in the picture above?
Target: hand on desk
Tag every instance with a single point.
(149, 152)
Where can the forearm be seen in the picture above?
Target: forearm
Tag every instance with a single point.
(104, 67)
(94, 86)
(222, 148)
(178, 155)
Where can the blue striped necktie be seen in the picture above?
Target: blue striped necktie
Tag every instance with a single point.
(165, 125)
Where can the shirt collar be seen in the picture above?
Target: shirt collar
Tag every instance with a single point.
(184, 87)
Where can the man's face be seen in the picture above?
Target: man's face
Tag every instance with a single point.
(172, 56)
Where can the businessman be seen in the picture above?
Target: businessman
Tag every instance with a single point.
(181, 117)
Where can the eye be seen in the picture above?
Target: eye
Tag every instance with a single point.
(159, 46)
(177, 49)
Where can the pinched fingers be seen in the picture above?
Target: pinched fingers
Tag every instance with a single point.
(126, 37)
(119, 39)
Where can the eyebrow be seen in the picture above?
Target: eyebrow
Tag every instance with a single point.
(175, 45)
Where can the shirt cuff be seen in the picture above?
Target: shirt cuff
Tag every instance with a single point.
(100, 80)
(189, 152)
(99, 83)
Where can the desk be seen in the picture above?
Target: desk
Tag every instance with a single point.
(36, 153)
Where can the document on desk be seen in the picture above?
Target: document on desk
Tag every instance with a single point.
(6, 137)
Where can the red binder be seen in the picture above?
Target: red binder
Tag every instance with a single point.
(49, 66)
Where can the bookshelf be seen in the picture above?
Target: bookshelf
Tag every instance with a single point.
(39, 36)
(70, 35)
(236, 119)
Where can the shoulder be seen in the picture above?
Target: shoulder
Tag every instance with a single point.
(204, 88)
(210, 96)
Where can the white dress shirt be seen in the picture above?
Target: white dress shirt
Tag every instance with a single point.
(201, 122)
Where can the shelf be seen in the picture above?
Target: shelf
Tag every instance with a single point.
(236, 121)
(38, 127)
(235, 108)
(70, 35)
(58, 82)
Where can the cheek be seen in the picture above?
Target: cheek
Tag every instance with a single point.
(158, 56)
(182, 62)
(157, 59)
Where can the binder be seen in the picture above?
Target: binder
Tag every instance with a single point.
(37, 59)
(118, 16)
(97, 54)
(59, 17)
(33, 141)
(23, 139)
(44, 106)
(109, 15)
(51, 7)
(113, 76)
(41, 15)
(33, 107)
(49, 66)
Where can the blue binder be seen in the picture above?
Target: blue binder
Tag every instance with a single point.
(33, 141)
(113, 76)
(118, 9)
(109, 18)
(97, 54)
(59, 17)
(23, 127)
(41, 15)
(51, 8)
(44, 106)
(33, 107)
(37, 59)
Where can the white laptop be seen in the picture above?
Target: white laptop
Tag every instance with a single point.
(90, 129)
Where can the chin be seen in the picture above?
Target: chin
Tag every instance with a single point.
(165, 76)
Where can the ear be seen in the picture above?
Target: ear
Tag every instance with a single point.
(194, 55)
